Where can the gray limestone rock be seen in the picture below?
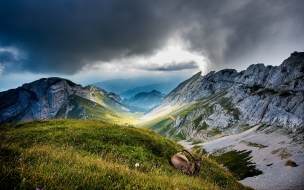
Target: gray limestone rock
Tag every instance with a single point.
(42, 99)
(271, 95)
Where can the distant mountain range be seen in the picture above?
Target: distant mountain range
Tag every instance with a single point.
(165, 88)
(127, 88)
(119, 85)
(146, 100)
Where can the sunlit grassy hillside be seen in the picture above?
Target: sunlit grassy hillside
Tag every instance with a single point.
(104, 109)
(91, 154)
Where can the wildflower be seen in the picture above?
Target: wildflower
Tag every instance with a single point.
(137, 165)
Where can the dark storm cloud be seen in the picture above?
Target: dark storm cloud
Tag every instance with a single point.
(171, 66)
(227, 30)
(6, 56)
(66, 35)
(63, 36)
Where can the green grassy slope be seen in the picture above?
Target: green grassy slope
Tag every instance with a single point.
(91, 154)
(123, 113)
(105, 101)
(103, 109)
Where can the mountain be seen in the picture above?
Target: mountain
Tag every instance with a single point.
(228, 102)
(146, 100)
(165, 87)
(127, 88)
(255, 115)
(117, 85)
(49, 98)
(121, 85)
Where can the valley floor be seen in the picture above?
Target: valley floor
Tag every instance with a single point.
(270, 152)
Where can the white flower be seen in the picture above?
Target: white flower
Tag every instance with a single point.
(137, 165)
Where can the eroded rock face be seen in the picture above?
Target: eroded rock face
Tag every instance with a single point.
(261, 94)
(43, 98)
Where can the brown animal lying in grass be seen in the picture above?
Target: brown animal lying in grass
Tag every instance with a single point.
(180, 162)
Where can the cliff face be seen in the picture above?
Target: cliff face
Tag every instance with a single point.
(42, 99)
(286, 77)
(227, 102)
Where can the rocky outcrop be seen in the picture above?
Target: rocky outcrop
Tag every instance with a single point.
(42, 99)
(114, 96)
(227, 101)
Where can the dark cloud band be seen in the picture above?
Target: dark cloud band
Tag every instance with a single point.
(63, 36)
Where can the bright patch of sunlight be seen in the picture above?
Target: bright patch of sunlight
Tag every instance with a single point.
(172, 54)
(176, 54)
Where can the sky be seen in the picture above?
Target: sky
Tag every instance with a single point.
(89, 41)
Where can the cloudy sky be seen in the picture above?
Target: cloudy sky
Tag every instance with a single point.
(89, 41)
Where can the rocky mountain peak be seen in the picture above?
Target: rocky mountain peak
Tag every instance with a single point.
(270, 95)
(287, 76)
(43, 98)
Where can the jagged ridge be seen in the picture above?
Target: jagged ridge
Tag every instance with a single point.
(48, 98)
(228, 102)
